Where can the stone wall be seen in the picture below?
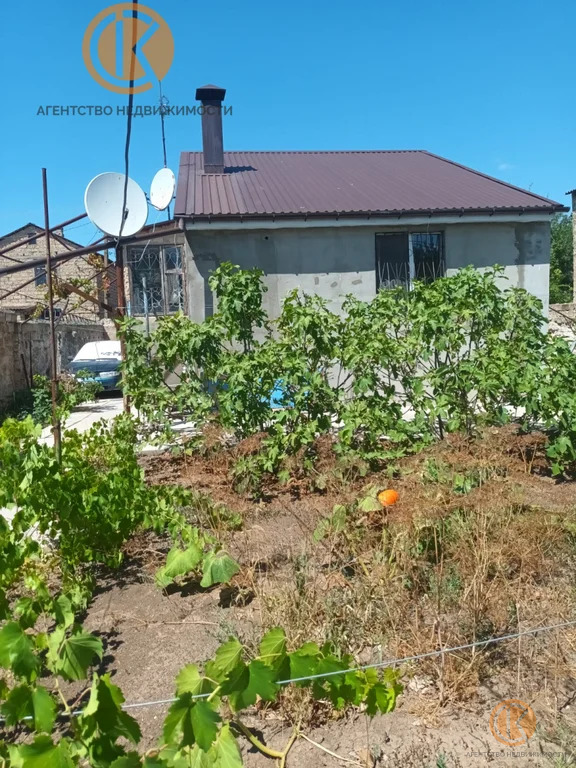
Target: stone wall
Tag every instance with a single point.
(562, 321)
(25, 350)
(30, 295)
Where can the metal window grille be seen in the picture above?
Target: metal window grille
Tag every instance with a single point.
(156, 279)
(403, 257)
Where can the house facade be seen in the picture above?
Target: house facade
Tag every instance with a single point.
(25, 292)
(338, 223)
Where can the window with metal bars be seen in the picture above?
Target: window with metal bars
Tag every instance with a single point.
(156, 279)
(403, 257)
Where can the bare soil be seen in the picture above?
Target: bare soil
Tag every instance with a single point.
(151, 634)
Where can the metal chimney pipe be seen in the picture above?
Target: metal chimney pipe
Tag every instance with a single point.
(212, 140)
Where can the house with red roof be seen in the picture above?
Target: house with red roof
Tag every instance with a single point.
(337, 223)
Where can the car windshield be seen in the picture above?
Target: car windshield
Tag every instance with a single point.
(94, 366)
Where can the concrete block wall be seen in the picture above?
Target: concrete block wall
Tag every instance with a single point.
(25, 350)
(335, 261)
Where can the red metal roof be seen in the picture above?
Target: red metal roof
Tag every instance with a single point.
(276, 184)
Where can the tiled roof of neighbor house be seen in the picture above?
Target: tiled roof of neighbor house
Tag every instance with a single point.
(276, 184)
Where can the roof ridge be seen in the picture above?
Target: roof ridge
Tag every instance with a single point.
(490, 178)
(314, 151)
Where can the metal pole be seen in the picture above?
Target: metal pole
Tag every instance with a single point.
(56, 427)
(121, 295)
(20, 243)
(146, 309)
(574, 244)
(98, 245)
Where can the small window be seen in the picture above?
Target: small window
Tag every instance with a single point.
(428, 255)
(39, 275)
(402, 257)
(57, 313)
(31, 234)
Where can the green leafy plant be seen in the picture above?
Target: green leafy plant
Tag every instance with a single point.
(383, 379)
(202, 723)
(71, 392)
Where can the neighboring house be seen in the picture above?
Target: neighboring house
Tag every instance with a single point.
(27, 289)
(336, 223)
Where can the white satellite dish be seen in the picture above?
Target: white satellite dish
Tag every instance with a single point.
(162, 189)
(103, 201)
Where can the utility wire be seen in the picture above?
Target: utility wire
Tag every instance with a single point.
(129, 118)
(363, 668)
(163, 109)
(387, 663)
(163, 105)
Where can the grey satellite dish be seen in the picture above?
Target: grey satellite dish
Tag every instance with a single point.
(103, 202)
(162, 189)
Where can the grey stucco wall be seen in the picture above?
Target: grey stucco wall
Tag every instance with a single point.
(522, 249)
(335, 261)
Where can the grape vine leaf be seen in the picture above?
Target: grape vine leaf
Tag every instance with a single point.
(27, 610)
(71, 656)
(304, 662)
(177, 726)
(236, 680)
(261, 683)
(104, 712)
(227, 657)
(204, 724)
(218, 568)
(179, 562)
(16, 651)
(197, 758)
(44, 709)
(273, 646)
(223, 753)
(226, 750)
(380, 698)
(189, 680)
(63, 611)
(43, 753)
(27, 703)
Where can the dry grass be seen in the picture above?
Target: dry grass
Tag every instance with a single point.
(461, 559)
(482, 543)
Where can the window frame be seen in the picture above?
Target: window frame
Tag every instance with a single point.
(39, 278)
(411, 262)
(161, 248)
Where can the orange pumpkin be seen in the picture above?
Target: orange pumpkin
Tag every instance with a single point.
(388, 497)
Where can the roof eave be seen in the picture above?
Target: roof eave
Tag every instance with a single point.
(398, 214)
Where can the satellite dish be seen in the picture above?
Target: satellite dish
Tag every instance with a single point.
(162, 189)
(103, 201)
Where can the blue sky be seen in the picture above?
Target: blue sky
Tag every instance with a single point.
(489, 85)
